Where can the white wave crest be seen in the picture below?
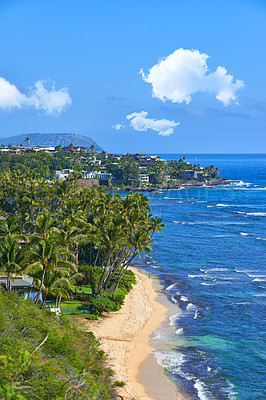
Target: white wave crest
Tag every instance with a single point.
(184, 298)
(179, 331)
(257, 214)
(171, 286)
(191, 306)
(208, 284)
(197, 315)
(259, 280)
(202, 390)
(173, 319)
(174, 300)
(216, 270)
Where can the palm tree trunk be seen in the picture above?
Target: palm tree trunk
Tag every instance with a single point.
(105, 271)
(59, 301)
(8, 282)
(44, 298)
(98, 252)
(40, 288)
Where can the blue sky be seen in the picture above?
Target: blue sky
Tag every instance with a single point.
(74, 66)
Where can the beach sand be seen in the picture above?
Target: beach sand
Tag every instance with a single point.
(124, 337)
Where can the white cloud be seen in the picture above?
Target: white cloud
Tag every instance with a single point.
(141, 123)
(9, 95)
(50, 101)
(118, 126)
(184, 73)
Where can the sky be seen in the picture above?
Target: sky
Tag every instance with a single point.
(171, 76)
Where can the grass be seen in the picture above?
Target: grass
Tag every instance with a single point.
(81, 289)
(65, 303)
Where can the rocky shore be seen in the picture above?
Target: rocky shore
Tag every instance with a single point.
(181, 184)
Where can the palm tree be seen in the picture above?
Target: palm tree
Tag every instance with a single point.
(47, 254)
(13, 259)
(155, 225)
(10, 227)
(27, 140)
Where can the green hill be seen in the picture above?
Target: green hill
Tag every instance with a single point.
(42, 356)
(51, 139)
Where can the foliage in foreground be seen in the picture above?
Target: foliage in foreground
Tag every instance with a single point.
(65, 365)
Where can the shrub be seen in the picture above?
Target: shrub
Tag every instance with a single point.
(103, 303)
(119, 383)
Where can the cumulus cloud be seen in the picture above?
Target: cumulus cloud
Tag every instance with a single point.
(140, 122)
(184, 73)
(48, 100)
(10, 95)
(118, 126)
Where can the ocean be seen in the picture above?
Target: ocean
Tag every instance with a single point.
(211, 261)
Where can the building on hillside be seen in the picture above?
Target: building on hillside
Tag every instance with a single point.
(94, 160)
(96, 175)
(64, 174)
(157, 158)
(191, 173)
(22, 149)
(75, 149)
(144, 178)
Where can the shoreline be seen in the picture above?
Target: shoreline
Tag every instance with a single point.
(183, 185)
(124, 338)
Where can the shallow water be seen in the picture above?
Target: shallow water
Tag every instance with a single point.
(211, 258)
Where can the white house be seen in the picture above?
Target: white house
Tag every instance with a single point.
(64, 174)
(144, 178)
(96, 175)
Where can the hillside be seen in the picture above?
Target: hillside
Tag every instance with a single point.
(51, 139)
(46, 357)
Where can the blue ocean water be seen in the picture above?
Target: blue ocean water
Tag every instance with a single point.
(211, 259)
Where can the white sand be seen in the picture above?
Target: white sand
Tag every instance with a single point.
(124, 337)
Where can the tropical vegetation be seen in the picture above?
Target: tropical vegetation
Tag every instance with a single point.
(77, 245)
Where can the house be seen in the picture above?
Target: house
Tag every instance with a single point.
(157, 158)
(64, 174)
(144, 178)
(18, 282)
(96, 175)
(191, 173)
(75, 149)
(95, 161)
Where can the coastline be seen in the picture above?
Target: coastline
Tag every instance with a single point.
(184, 185)
(124, 337)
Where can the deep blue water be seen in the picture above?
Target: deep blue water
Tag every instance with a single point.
(211, 258)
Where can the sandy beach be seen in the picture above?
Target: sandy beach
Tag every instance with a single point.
(124, 337)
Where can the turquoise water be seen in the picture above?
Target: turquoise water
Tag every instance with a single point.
(211, 259)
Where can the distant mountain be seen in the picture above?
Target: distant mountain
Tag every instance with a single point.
(50, 139)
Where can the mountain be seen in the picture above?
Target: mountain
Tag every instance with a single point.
(50, 139)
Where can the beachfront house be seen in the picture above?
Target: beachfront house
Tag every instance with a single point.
(17, 283)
